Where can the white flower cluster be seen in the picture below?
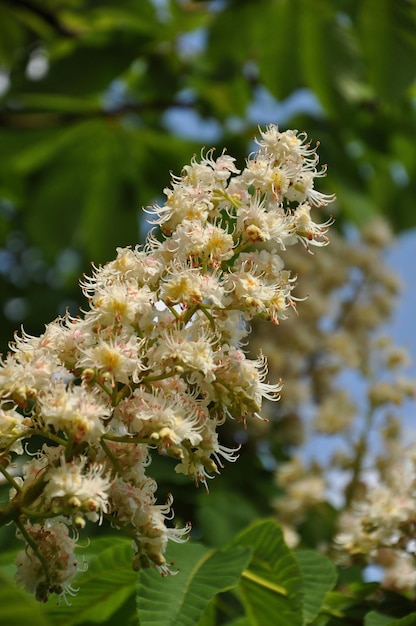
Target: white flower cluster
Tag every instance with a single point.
(380, 526)
(156, 362)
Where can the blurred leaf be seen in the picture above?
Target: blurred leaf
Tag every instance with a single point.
(59, 103)
(361, 590)
(357, 206)
(221, 514)
(374, 618)
(18, 607)
(182, 599)
(7, 563)
(387, 32)
(328, 58)
(87, 184)
(11, 37)
(320, 524)
(278, 53)
(239, 49)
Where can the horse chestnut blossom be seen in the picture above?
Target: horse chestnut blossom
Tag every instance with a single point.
(157, 361)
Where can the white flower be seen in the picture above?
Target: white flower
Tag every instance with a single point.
(155, 361)
(165, 416)
(289, 144)
(119, 355)
(85, 490)
(120, 302)
(136, 506)
(12, 426)
(57, 548)
(76, 410)
(180, 349)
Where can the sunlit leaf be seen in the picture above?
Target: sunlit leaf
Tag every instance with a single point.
(182, 599)
(271, 586)
(319, 577)
(327, 55)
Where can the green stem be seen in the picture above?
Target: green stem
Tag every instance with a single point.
(24, 498)
(124, 393)
(46, 434)
(188, 314)
(360, 451)
(42, 514)
(128, 439)
(10, 478)
(207, 314)
(152, 379)
(111, 456)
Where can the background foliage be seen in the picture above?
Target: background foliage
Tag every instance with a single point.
(101, 99)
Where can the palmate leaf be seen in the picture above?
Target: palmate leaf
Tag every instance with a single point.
(87, 183)
(271, 586)
(319, 577)
(182, 599)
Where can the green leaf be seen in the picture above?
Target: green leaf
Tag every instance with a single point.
(7, 564)
(18, 607)
(227, 27)
(387, 31)
(11, 36)
(241, 621)
(60, 103)
(102, 589)
(182, 599)
(89, 65)
(221, 514)
(87, 183)
(328, 57)
(319, 575)
(82, 205)
(374, 618)
(357, 206)
(209, 616)
(272, 584)
(278, 54)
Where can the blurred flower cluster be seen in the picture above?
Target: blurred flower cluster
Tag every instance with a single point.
(339, 424)
(157, 362)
